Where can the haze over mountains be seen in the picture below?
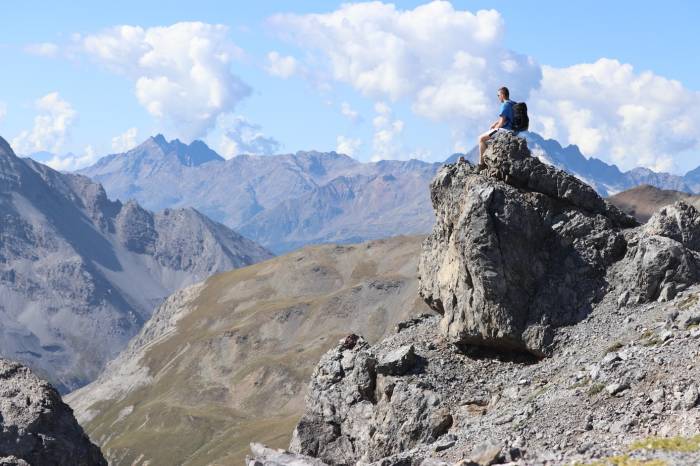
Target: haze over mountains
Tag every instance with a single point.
(287, 201)
(80, 274)
(282, 201)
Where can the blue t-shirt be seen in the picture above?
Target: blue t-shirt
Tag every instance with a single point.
(507, 113)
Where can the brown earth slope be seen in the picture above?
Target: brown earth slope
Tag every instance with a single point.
(228, 360)
(642, 201)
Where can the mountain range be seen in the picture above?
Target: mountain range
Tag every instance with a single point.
(80, 274)
(282, 201)
(287, 201)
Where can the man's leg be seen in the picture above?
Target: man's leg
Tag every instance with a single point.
(482, 144)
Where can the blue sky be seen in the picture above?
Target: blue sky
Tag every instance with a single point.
(63, 89)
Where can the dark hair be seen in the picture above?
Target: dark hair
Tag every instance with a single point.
(505, 91)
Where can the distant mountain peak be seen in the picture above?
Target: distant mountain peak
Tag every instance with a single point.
(190, 155)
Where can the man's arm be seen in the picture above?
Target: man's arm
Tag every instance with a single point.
(499, 123)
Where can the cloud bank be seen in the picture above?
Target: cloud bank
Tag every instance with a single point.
(51, 126)
(181, 73)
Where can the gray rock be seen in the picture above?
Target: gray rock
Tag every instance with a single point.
(680, 222)
(36, 427)
(508, 246)
(398, 361)
(486, 453)
(346, 421)
(690, 398)
(617, 387)
(264, 456)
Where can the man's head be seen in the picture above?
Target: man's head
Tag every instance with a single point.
(503, 94)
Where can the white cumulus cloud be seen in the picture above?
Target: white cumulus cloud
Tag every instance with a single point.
(448, 63)
(347, 146)
(282, 66)
(236, 135)
(3, 111)
(70, 162)
(125, 141)
(51, 126)
(387, 130)
(348, 112)
(613, 112)
(181, 73)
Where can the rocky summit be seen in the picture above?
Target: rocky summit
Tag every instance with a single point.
(568, 335)
(36, 427)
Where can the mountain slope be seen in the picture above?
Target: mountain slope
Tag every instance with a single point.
(282, 201)
(79, 274)
(228, 360)
(644, 200)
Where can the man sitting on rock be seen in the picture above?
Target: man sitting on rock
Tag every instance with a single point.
(504, 122)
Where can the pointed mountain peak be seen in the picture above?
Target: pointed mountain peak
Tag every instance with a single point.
(190, 155)
(5, 149)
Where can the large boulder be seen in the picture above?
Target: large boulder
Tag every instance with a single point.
(36, 426)
(517, 249)
(663, 256)
(355, 414)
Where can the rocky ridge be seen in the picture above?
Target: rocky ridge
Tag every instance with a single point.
(80, 273)
(568, 334)
(36, 427)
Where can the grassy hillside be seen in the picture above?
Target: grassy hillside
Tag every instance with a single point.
(228, 361)
(644, 200)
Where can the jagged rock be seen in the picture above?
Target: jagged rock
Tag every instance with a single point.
(352, 414)
(36, 426)
(679, 221)
(663, 256)
(485, 453)
(263, 456)
(397, 362)
(516, 250)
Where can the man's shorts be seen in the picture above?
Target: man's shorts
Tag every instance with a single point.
(500, 129)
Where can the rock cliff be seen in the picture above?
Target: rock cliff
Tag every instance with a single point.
(36, 427)
(567, 332)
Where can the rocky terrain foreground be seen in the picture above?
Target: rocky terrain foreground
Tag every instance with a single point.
(568, 335)
(36, 427)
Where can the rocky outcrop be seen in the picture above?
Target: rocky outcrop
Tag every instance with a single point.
(37, 428)
(522, 257)
(517, 250)
(356, 413)
(663, 256)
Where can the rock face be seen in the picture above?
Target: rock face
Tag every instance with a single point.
(523, 257)
(37, 428)
(353, 414)
(663, 256)
(517, 249)
(80, 274)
